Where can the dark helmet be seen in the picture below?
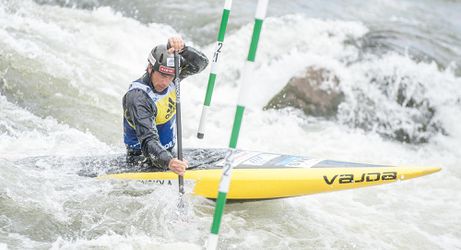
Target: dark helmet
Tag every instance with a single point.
(161, 60)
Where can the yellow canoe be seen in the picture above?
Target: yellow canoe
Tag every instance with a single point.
(268, 176)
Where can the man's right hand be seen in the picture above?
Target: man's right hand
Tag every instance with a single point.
(178, 166)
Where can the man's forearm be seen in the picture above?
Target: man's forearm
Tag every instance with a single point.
(157, 153)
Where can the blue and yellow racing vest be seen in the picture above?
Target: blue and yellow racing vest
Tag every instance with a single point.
(165, 119)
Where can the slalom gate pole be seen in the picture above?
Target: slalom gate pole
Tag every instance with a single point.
(214, 65)
(228, 164)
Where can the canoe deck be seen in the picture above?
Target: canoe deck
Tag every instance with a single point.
(258, 175)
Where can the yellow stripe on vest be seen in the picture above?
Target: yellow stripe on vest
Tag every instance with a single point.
(166, 108)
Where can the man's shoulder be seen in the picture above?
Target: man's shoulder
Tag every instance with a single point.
(136, 96)
(137, 87)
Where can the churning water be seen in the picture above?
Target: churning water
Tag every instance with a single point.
(65, 64)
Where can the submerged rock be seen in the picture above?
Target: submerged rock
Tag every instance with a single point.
(316, 93)
(393, 105)
(415, 119)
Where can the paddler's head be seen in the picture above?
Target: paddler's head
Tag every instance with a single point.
(161, 67)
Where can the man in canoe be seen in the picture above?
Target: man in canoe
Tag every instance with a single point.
(149, 110)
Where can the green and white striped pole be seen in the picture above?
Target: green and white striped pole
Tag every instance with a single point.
(214, 66)
(228, 165)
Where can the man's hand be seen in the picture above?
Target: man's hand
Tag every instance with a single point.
(178, 166)
(175, 44)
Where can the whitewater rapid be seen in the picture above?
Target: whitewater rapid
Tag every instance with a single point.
(63, 72)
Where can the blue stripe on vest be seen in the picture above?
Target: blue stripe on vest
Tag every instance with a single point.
(129, 136)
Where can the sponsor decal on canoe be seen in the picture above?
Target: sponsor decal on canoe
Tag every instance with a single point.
(168, 182)
(344, 164)
(238, 157)
(296, 161)
(365, 177)
(161, 182)
(260, 159)
(248, 159)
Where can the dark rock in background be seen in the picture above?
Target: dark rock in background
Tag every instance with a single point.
(315, 93)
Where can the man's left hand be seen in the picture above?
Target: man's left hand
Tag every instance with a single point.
(175, 44)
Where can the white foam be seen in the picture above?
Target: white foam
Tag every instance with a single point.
(26, 135)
